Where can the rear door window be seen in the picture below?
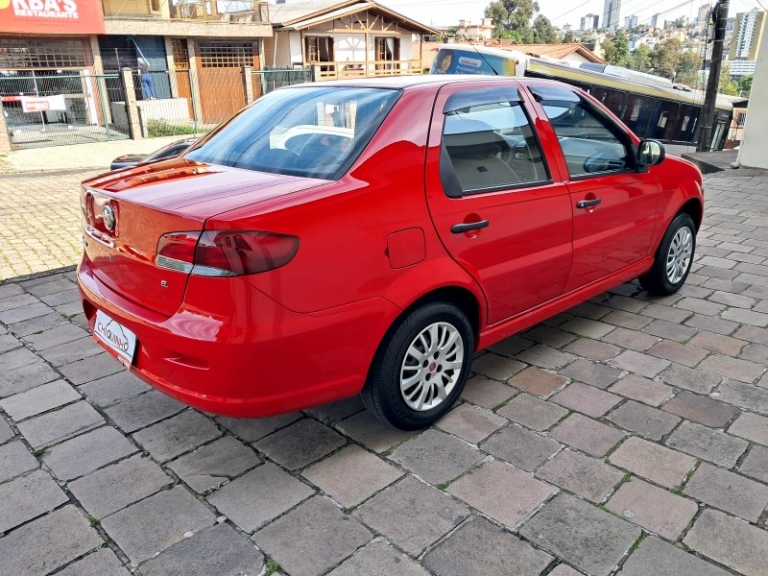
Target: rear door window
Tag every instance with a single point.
(489, 144)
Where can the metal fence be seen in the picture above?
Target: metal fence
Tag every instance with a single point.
(52, 109)
(272, 79)
(57, 109)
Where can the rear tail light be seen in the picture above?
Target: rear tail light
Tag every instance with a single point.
(176, 251)
(225, 253)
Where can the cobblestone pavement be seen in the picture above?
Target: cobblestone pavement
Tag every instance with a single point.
(39, 221)
(40, 202)
(629, 436)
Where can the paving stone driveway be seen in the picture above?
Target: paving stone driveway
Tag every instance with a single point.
(39, 221)
(626, 436)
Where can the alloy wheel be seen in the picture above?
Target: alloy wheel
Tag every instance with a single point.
(679, 255)
(432, 366)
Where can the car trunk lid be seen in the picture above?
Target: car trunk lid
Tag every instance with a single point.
(125, 214)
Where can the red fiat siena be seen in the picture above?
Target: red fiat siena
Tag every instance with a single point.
(369, 236)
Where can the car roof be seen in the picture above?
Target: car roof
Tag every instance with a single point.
(406, 82)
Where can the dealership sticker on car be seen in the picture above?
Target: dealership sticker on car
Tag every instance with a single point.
(116, 337)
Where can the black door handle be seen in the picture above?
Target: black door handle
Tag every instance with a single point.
(588, 203)
(466, 226)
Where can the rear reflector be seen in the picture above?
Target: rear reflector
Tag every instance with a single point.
(226, 252)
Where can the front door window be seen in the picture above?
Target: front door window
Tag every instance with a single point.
(613, 203)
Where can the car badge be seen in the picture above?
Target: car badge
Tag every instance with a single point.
(109, 218)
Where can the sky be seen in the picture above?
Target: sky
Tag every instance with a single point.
(449, 12)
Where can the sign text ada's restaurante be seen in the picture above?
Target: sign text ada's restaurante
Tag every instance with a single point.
(41, 16)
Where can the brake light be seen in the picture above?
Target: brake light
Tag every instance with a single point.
(176, 251)
(225, 252)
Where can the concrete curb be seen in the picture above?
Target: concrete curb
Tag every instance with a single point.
(43, 274)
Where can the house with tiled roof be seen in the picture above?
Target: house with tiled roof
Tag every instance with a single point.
(347, 38)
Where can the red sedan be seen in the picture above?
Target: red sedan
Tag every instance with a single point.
(371, 236)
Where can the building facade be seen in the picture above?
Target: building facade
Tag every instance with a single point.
(741, 68)
(703, 16)
(611, 14)
(355, 38)
(630, 21)
(589, 22)
(747, 35)
(110, 69)
(476, 32)
(61, 76)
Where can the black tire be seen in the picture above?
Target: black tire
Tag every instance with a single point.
(381, 393)
(656, 281)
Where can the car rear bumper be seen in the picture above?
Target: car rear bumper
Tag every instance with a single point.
(243, 354)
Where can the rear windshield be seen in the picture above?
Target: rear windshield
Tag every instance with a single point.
(315, 132)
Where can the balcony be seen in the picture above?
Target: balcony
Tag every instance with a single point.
(232, 11)
(363, 69)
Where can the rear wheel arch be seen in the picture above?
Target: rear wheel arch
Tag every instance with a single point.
(440, 328)
(460, 297)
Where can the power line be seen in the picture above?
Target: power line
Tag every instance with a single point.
(623, 7)
(569, 11)
(664, 11)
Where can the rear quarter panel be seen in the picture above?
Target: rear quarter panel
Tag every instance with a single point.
(344, 227)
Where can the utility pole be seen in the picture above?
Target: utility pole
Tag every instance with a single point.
(720, 18)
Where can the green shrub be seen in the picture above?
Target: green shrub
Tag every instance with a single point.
(157, 128)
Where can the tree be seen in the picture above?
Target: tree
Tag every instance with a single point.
(726, 85)
(640, 59)
(513, 35)
(543, 31)
(665, 58)
(513, 16)
(609, 50)
(745, 86)
(621, 42)
(617, 50)
(569, 37)
(687, 68)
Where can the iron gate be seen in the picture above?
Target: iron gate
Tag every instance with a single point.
(47, 108)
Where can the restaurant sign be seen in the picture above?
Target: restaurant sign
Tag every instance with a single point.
(51, 17)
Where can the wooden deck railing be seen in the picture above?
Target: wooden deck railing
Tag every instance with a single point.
(362, 69)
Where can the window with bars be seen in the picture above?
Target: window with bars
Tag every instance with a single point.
(227, 54)
(20, 53)
(180, 54)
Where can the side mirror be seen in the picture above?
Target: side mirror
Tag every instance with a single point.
(650, 153)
